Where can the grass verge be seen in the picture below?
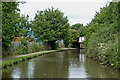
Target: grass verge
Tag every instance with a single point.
(11, 62)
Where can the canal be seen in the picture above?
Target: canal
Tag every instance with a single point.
(65, 64)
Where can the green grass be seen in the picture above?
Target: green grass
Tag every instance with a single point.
(11, 62)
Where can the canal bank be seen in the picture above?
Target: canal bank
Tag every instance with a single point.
(6, 63)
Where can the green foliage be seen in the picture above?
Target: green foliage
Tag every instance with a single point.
(76, 26)
(12, 25)
(74, 34)
(0, 28)
(118, 29)
(79, 28)
(101, 36)
(67, 39)
(24, 26)
(111, 56)
(10, 17)
(7, 52)
(50, 25)
(36, 47)
(23, 48)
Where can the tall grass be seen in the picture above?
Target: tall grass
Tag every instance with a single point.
(36, 48)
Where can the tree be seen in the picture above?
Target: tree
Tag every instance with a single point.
(76, 26)
(101, 36)
(79, 28)
(50, 25)
(13, 25)
(0, 21)
(10, 19)
(24, 26)
(74, 34)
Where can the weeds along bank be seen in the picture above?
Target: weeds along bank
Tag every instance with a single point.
(25, 47)
(102, 38)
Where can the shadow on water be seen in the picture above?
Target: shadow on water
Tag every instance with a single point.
(65, 64)
(96, 70)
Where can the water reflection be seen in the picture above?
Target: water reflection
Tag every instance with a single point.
(77, 69)
(31, 69)
(96, 70)
(16, 73)
(81, 57)
(66, 64)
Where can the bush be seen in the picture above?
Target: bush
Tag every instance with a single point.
(101, 36)
(35, 47)
(23, 48)
(8, 52)
(111, 56)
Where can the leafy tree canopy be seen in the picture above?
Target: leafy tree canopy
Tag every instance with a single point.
(10, 19)
(76, 26)
(74, 34)
(101, 36)
(12, 24)
(79, 27)
(50, 25)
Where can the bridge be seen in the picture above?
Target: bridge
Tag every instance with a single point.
(79, 42)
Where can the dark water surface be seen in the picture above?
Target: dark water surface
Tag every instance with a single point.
(65, 64)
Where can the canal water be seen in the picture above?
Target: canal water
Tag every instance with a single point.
(65, 64)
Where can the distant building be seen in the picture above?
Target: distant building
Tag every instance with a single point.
(81, 39)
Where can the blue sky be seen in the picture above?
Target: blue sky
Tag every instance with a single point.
(77, 11)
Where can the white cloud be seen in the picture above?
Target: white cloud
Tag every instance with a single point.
(74, 21)
(78, 11)
(66, 0)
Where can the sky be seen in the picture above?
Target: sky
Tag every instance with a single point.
(77, 11)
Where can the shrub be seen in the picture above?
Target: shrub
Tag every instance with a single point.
(111, 56)
(23, 48)
(35, 47)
